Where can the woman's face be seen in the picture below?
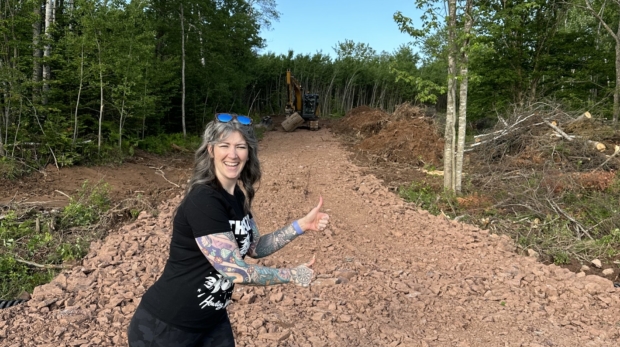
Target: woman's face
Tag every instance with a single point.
(229, 156)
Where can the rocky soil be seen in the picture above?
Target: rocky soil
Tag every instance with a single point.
(387, 274)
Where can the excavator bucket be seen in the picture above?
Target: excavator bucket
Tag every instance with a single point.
(292, 122)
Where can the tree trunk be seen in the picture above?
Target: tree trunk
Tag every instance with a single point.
(460, 148)
(374, 93)
(122, 119)
(101, 104)
(49, 14)
(77, 103)
(616, 36)
(327, 96)
(36, 52)
(381, 102)
(5, 109)
(617, 90)
(183, 72)
(2, 153)
(146, 73)
(449, 135)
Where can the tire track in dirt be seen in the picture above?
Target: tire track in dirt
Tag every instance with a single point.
(387, 275)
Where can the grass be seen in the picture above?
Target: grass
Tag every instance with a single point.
(428, 198)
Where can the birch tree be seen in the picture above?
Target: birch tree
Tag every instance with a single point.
(449, 167)
(458, 24)
(49, 20)
(468, 22)
(36, 50)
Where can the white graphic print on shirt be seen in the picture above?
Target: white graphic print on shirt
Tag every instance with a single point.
(240, 228)
(216, 288)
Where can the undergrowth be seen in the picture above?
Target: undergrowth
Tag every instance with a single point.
(580, 223)
(26, 158)
(428, 198)
(35, 245)
(167, 143)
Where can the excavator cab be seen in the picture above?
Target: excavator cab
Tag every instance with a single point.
(310, 107)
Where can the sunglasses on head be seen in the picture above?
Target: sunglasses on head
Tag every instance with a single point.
(229, 117)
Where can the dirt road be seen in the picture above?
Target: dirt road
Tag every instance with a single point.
(387, 275)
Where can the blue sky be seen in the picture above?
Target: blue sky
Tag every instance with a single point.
(318, 25)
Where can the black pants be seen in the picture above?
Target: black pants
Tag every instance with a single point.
(146, 331)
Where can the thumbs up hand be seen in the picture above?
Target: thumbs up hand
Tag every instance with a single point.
(315, 220)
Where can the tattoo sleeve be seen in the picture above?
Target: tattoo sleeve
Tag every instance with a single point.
(265, 245)
(222, 251)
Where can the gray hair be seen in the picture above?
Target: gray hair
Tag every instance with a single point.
(204, 167)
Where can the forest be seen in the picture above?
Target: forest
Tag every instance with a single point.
(85, 81)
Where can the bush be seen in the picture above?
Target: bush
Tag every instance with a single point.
(48, 238)
(90, 203)
(166, 143)
(10, 168)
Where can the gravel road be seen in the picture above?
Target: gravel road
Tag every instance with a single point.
(387, 274)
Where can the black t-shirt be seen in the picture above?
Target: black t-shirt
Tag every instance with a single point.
(191, 294)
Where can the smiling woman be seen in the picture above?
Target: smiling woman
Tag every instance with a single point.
(213, 231)
(229, 157)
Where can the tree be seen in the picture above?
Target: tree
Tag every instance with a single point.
(459, 24)
(449, 167)
(512, 54)
(183, 70)
(49, 20)
(468, 21)
(599, 11)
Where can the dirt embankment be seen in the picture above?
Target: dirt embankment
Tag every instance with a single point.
(153, 178)
(387, 274)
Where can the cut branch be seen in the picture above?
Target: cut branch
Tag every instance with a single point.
(42, 266)
(161, 173)
(578, 227)
(558, 130)
(616, 152)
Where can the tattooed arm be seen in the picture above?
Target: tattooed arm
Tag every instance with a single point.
(264, 245)
(222, 251)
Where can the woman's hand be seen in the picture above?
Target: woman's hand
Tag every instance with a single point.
(315, 220)
(302, 274)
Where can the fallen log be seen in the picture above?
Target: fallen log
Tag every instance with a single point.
(585, 115)
(599, 146)
(583, 121)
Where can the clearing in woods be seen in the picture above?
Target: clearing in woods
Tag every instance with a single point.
(388, 274)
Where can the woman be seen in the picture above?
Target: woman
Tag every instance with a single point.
(213, 230)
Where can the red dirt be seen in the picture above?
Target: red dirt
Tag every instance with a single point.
(362, 122)
(414, 142)
(387, 274)
(138, 175)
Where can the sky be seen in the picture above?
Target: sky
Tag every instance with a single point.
(311, 26)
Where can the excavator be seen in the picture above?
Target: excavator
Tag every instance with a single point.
(302, 108)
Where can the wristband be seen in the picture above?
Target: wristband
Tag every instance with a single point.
(297, 228)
